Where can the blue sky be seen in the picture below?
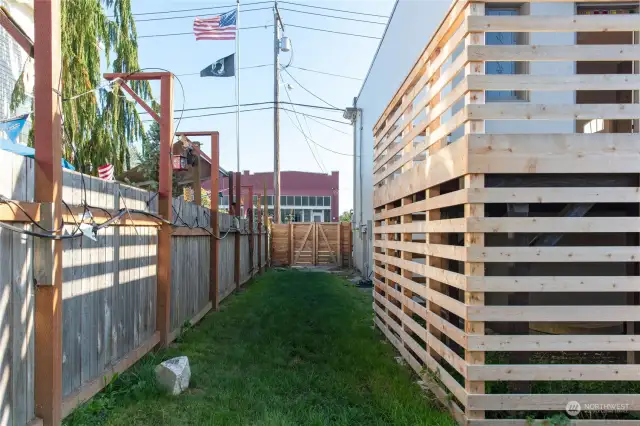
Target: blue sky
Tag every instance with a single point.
(333, 53)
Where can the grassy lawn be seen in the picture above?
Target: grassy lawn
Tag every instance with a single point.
(295, 348)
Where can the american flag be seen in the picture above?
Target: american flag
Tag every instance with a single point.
(221, 27)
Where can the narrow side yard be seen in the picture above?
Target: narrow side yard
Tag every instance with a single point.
(295, 348)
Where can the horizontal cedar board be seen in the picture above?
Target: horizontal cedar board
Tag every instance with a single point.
(552, 313)
(604, 372)
(553, 343)
(11, 213)
(448, 277)
(572, 23)
(553, 284)
(547, 402)
(553, 195)
(439, 168)
(553, 82)
(549, 153)
(446, 200)
(552, 254)
(526, 111)
(610, 52)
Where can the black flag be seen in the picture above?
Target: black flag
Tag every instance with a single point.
(221, 68)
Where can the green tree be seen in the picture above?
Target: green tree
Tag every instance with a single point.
(346, 216)
(149, 159)
(100, 125)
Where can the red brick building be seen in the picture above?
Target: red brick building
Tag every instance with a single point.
(305, 197)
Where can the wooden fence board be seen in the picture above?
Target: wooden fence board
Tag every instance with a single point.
(313, 244)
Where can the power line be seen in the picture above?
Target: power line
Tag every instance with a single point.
(253, 104)
(333, 16)
(317, 144)
(316, 116)
(199, 8)
(334, 10)
(333, 32)
(325, 73)
(191, 32)
(309, 91)
(219, 113)
(301, 131)
(200, 15)
(326, 125)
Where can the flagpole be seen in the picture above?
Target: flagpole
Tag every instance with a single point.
(237, 73)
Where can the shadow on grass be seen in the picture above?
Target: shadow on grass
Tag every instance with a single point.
(296, 348)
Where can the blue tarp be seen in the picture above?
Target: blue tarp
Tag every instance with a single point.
(26, 151)
(9, 131)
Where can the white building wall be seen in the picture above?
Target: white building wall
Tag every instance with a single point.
(411, 26)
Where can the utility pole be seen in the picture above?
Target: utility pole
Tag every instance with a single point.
(276, 113)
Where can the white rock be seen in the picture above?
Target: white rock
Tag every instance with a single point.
(174, 374)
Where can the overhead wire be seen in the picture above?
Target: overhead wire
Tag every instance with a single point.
(326, 73)
(333, 16)
(309, 91)
(199, 8)
(334, 10)
(334, 32)
(303, 134)
(196, 16)
(254, 104)
(242, 68)
(191, 32)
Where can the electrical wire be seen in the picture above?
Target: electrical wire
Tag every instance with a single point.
(303, 134)
(326, 73)
(309, 91)
(324, 147)
(333, 32)
(333, 16)
(334, 10)
(332, 108)
(200, 8)
(196, 16)
(191, 32)
(326, 125)
(257, 109)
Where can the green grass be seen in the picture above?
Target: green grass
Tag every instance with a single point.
(296, 348)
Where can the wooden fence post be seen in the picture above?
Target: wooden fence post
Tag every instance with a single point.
(165, 199)
(259, 233)
(48, 190)
(251, 233)
(238, 213)
(291, 248)
(214, 248)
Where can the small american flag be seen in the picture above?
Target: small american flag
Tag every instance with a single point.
(106, 172)
(221, 27)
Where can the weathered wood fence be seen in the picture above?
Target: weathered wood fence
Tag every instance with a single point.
(109, 290)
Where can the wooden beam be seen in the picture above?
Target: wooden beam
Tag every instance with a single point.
(551, 23)
(197, 184)
(16, 33)
(259, 216)
(140, 101)
(610, 52)
(214, 247)
(10, 213)
(195, 232)
(249, 212)
(163, 310)
(554, 82)
(48, 190)
(527, 111)
(291, 248)
(136, 76)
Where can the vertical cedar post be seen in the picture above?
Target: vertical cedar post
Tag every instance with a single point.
(291, 248)
(48, 191)
(265, 222)
(259, 216)
(214, 249)
(238, 213)
(339, 246)
(163, 311)
(197, 186)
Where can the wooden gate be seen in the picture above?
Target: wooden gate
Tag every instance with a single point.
(312, 244)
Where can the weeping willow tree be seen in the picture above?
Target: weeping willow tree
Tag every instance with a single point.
(99, 125)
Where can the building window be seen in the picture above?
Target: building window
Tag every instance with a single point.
(270, 200)
(504, 67)
(327, 201)
(225, 200)
(283, 200)
(298, 200)
(312, 201)
(290, 200)
(255, 200)
(305, 200)
(319, 201)
(327, 216)
(307, 215)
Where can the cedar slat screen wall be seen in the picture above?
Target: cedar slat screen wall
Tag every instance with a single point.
(506, 265)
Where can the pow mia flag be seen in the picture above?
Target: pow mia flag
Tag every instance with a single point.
(223, 67)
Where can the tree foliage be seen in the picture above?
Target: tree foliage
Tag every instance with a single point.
(346, 216)
(99, 125)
